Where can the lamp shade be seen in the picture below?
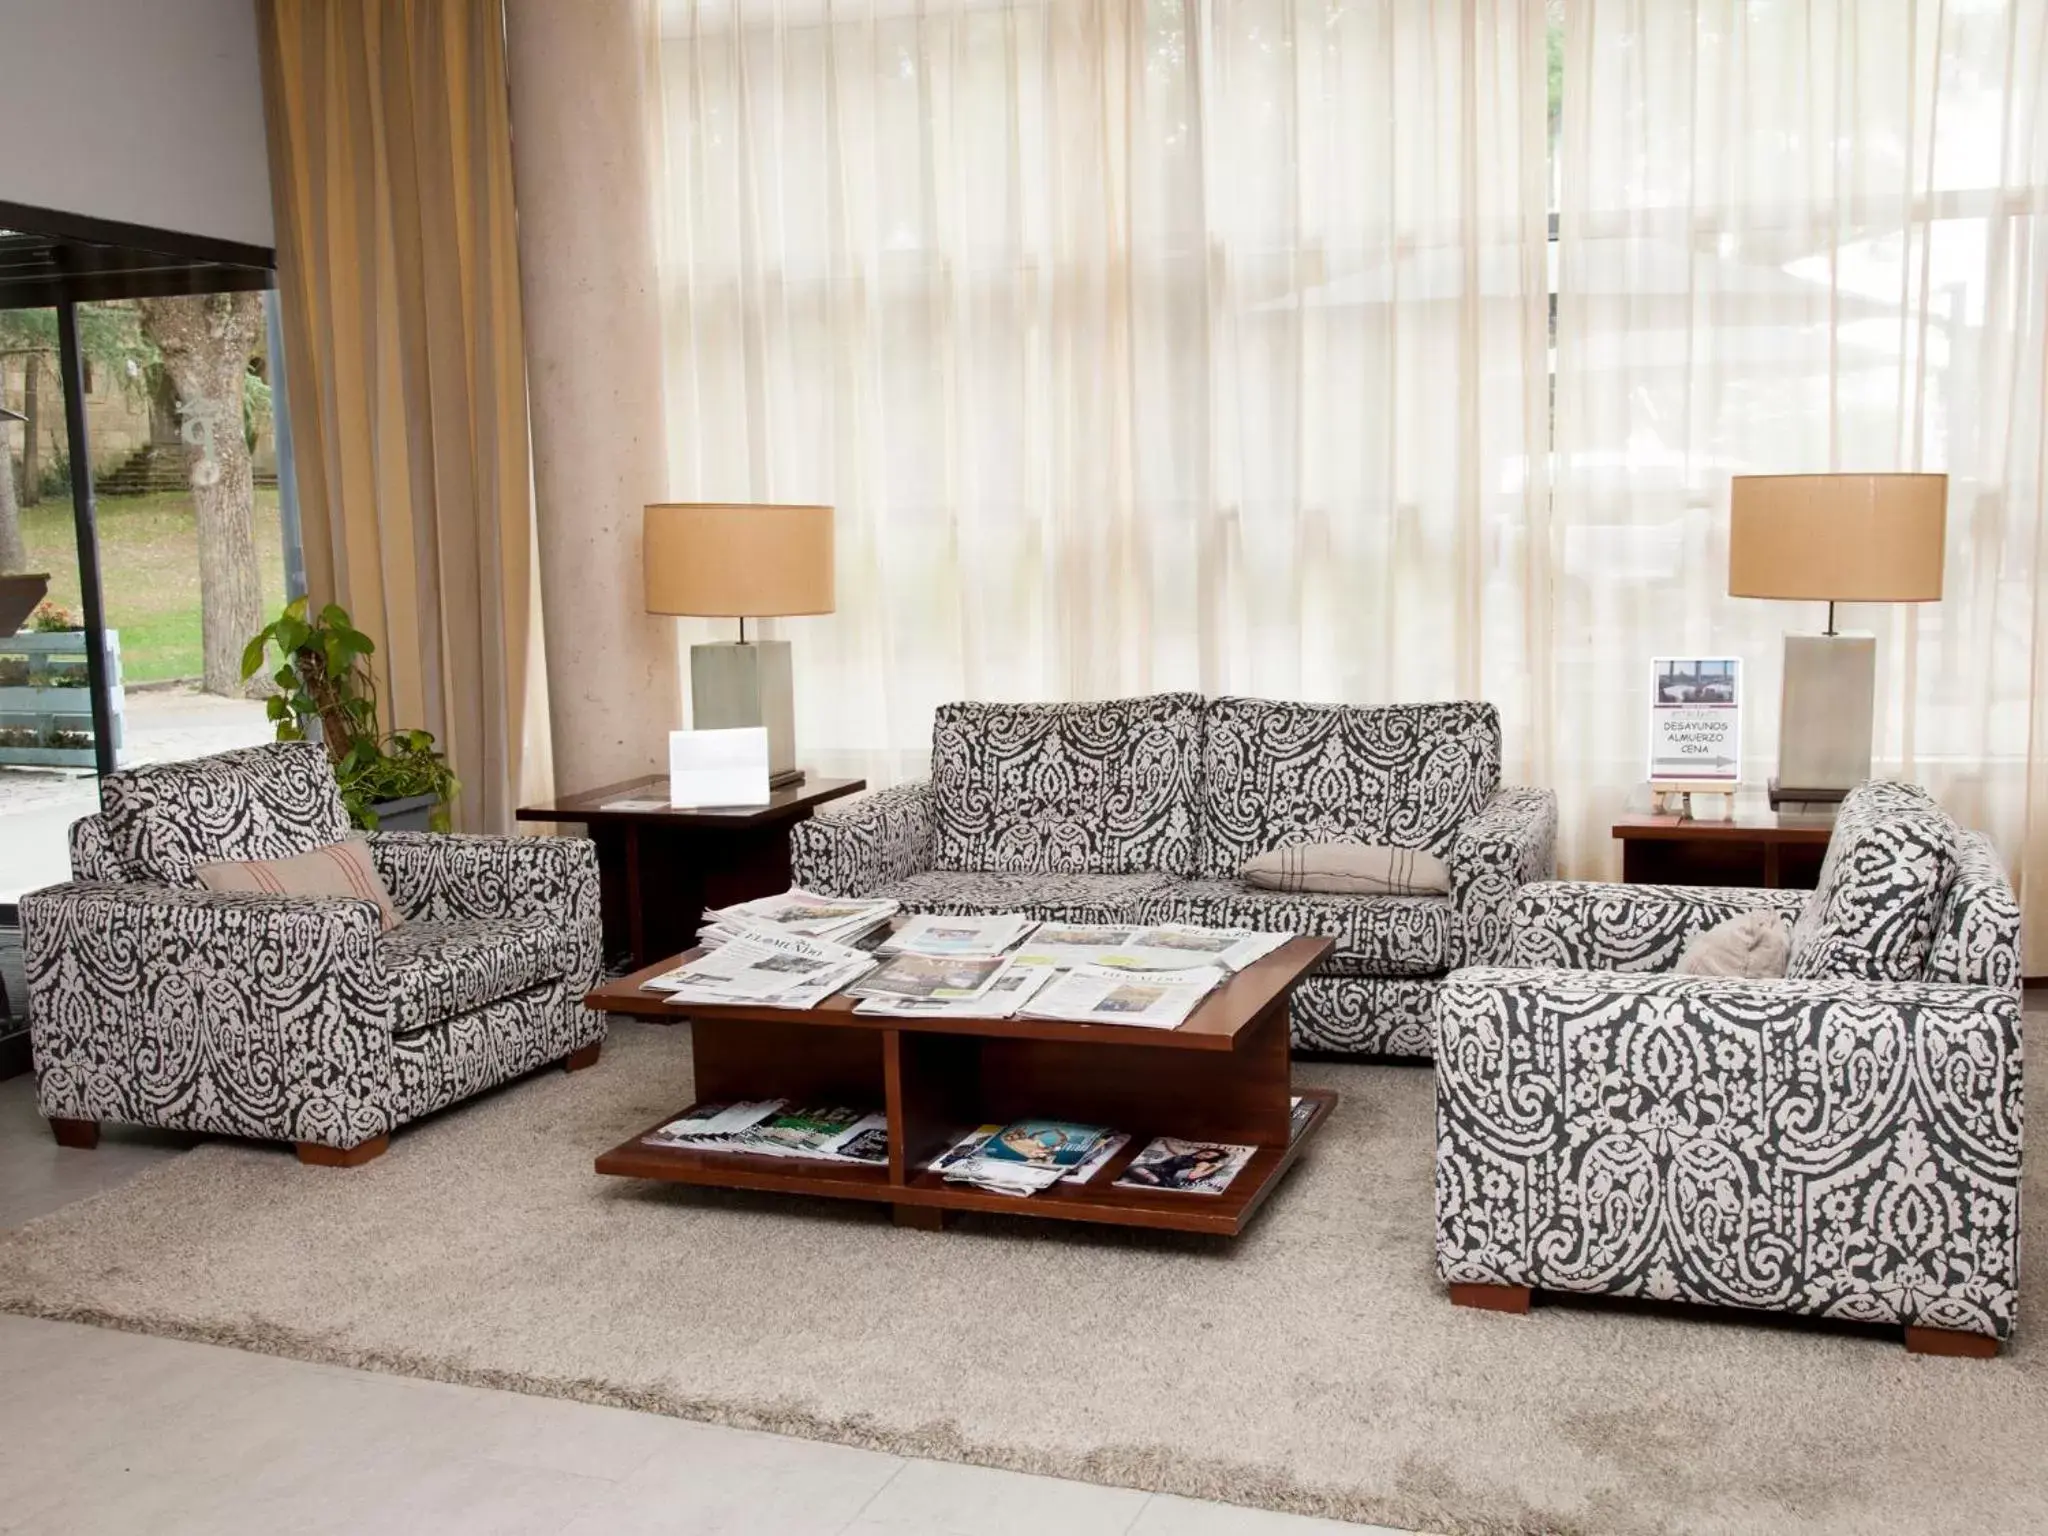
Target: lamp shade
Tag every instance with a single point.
(737, 561)
(1837, 538)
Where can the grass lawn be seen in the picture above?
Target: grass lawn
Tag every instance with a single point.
(149, 571)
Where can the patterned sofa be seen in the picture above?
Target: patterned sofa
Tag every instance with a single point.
(1844, 1142)
(1144, 810)
(157, 1002)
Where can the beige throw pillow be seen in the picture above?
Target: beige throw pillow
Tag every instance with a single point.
(1752, 944)
(339, 869)
(1348, 869)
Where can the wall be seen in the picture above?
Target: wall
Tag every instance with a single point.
(144, 111)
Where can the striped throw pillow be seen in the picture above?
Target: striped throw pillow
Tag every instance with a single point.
(1348, 869)
(338, 869)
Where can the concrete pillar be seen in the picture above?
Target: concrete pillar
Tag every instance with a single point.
(581, 171)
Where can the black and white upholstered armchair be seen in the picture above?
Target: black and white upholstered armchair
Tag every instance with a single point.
(1842, 1142)
(155, 1001)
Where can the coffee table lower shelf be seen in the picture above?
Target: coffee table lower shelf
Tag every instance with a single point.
(924, 1197)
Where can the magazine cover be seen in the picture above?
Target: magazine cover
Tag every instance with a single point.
(1057, 1143)
(1186, 1167)
(799, 1131)
(962, 1149)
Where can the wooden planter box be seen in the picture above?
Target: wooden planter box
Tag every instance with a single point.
(37, 706)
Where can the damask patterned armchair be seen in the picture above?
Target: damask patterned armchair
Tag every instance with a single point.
(1844, 1142)
(155, 1001)
(1143, 810)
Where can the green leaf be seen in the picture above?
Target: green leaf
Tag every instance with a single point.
(252, 655)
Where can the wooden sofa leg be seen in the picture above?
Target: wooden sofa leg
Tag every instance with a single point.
(1492, 1298)
(1950, 1341)
(83, 1134)
(583, 1056)
(317, 1156)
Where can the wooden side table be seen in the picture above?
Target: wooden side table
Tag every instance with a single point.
(659, 868)
(1767, 848)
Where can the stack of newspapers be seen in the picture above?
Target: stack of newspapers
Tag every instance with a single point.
(775, 1128)
(799, 912)
(760, 965)
(1026, 1156)
(928, 934)
(1111, 994)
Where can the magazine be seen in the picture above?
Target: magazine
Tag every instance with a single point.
(999, 1000)
(1026, 1156)
(929, 934)
(1094, 1162)
(966, 1146)
(1299, 1113)
(714, 1127)
(1169, 946)
(1186, 1167)
(1101, 994)
(824, 1132)
(930, 979)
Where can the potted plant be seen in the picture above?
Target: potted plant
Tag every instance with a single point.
(398, 780)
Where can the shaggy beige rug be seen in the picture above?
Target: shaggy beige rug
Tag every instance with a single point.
(1313, 1365)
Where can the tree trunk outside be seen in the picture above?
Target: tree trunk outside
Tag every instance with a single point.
(13, 551)
(206, 343)
(31, 429)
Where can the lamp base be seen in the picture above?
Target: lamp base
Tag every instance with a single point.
(748, 684)
(1825, 713)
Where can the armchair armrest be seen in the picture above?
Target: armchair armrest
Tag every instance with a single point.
(1496, 853)
(1846, 1148)
(1590, 925)
(450, 877)
(242, 1014)
(92, 850)
(866, 844)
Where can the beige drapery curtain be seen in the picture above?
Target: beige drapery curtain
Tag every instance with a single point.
(390, 155)
(1805, 237)
(1140, 344)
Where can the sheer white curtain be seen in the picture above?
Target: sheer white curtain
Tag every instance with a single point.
(1141, 344)
(1803, 235)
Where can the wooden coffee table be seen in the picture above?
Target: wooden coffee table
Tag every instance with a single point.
(1224, 1075)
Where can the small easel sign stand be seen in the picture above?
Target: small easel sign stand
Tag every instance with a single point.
(1695, 735)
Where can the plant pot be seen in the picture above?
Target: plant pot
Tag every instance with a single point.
(412, 814)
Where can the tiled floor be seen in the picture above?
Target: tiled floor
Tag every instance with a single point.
(114, 1432)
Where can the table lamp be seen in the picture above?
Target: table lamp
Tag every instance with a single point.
(1833, 539)
(740, 561)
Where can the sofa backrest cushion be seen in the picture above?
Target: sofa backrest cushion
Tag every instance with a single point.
(1405, 775)
(1105, 788)
(1871, 917)
(166, 819)
(1977, 920)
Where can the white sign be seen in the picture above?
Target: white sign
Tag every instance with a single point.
(1696, 722)
(717, 768)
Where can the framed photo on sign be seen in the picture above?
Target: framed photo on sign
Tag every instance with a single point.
(1696, 722)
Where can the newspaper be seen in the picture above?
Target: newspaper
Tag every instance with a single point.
(1102, 994)
(797, 911)
(1069, 944)
(1170, 946)
(781, 970)
(930, 979)
(1017, 982)
(1186, 1167)
(929, 934)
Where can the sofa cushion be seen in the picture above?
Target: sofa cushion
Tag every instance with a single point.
(1408, 775)
(1749, 944)
(164, 820)
(339, 869)
(1052, 897)
(439, 970)
(1376, 935)
(1106, 788)
(1348, 869)
(1871, 916)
